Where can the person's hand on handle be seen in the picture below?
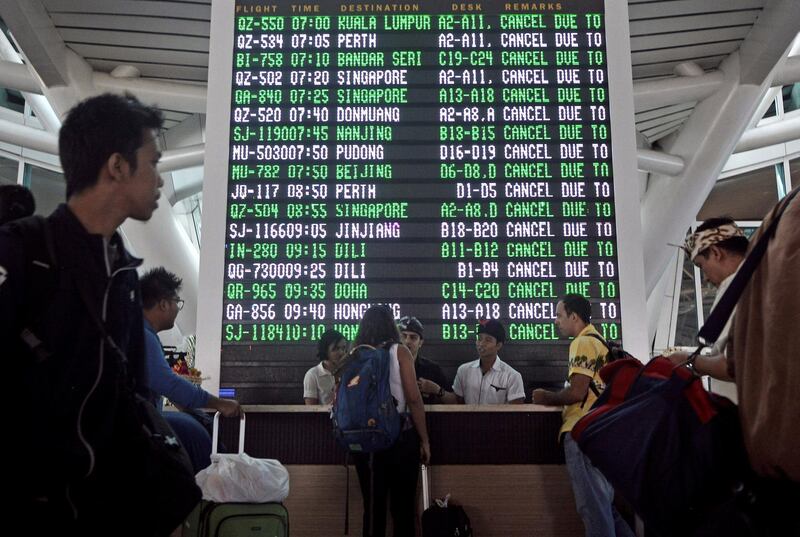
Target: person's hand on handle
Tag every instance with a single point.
(677, 357)
(424, 453)
(229, 408)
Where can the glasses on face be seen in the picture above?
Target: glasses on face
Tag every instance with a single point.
(178, 302)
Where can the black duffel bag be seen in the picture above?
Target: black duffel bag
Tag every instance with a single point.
(445, 520)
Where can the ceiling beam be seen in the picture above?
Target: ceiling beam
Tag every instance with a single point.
(711, 133)
(38, 102)
(651, 94)
(15, 75)
(778, 132)
(169, 95)
(33, 29)
(659, 162)
(789, 73)
(182, 158)
(28, 137)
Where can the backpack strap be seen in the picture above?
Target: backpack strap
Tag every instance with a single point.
(592, 384)
(41, 255)
(41, 264)
(722, 311)
(344, 362)
(601, 340)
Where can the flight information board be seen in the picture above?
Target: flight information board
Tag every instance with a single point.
(451, 160)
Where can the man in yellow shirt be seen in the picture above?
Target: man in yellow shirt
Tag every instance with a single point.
(594, 496)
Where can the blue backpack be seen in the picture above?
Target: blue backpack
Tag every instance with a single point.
(365, 417)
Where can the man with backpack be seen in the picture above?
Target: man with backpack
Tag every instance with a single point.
(594, 496)
(71, 325)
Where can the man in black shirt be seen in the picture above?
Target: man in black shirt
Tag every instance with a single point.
(72, 335)
(433, 385)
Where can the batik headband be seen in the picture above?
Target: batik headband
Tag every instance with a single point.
(699, 241)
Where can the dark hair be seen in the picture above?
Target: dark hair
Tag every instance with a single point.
(492, 328)
(97, 128)
(329, 338)
(579, 305)
(16, 201)
(735, 245)
(377, 326)
(158, 284)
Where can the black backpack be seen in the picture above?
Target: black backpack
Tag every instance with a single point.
(445, 521)
(41, 280)
(161, 478)
(615, 352)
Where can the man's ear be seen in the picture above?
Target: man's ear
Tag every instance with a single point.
(499, 346)
(716, 252)
(117, 166)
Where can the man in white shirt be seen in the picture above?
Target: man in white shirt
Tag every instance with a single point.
(717, 247)
(318, 383)
(489, 380)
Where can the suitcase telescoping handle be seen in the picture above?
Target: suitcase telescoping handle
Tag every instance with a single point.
(215, 436)
(426, 487)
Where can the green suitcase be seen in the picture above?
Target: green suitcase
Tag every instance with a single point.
(211, 519)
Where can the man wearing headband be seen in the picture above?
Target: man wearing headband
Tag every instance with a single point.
(432, 383)
(717, 247)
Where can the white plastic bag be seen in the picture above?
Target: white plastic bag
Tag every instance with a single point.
(238, 477)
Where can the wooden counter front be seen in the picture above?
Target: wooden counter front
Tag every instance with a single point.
(502, 463)
(459, 434)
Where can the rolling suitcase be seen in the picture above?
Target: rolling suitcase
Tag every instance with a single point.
(235, 519)
(211, 519)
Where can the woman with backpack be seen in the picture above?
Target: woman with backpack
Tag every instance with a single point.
(395, 471)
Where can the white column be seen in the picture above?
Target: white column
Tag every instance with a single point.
(162, 242)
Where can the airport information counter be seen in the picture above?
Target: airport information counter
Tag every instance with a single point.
(502, 463)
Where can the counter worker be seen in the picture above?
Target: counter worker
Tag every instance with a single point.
(318, 383)
(489, 380)
(432, 383)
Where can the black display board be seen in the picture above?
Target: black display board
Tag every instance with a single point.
(452, 160)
